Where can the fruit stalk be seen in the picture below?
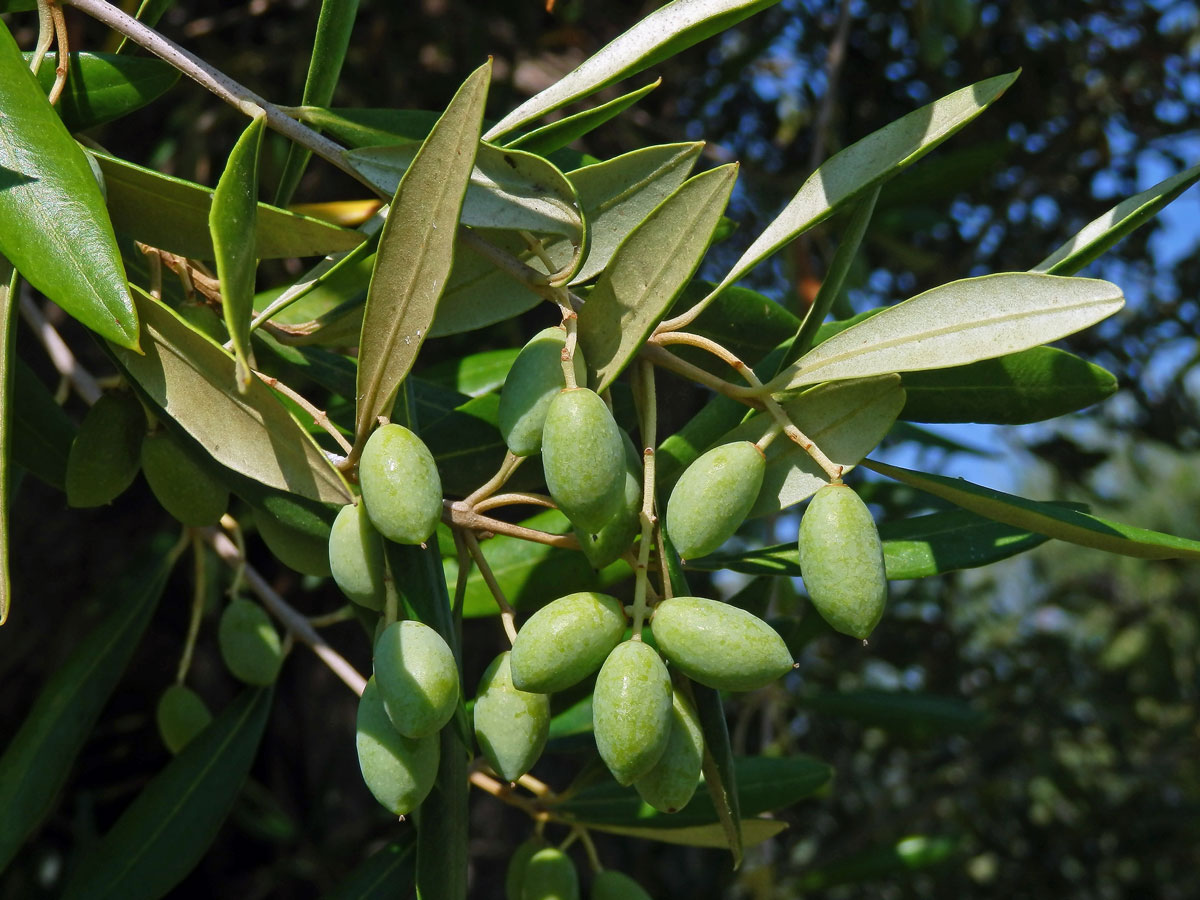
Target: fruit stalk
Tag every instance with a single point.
(648, 422)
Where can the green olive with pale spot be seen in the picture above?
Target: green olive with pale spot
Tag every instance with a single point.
(356, 557)
(533, 381)
(583, 459)
(841, 561)
(398, 771)
(610, 884)
(400, 485)
(713, 497)
(631, 710)
(670, 784)
(511, 726)
(417, 677)
(565, 641)
(607, 545)
(550, 875)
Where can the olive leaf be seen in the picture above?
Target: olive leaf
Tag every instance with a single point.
(882, 863)
(753, 832)
(917, 714)
(191, 378)
(1049, 519)
(416, 251)
(1101, 233)
(41, 433)
(649, 268)
(356, 127)
(387, 873)
(662, 34)
(103, 86)
(957, 323)
(232, 220)
(845, 419)
(53, 227)
(568, 129)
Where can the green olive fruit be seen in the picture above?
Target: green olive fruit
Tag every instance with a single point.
(106, 452)
(550, 875)
(713, 497)
(670, 784)
(719, 645)
(610, 884)
(514, 875)
(184, 485)
(305, 553)
(565, 641)
(607, 545)
(181, 715)
(511, 725)
(631, 710)
(356, 557)
(399, 771)
(841, 561)
(417, 677)
(249, 643)
(583, 459)
(535, 378)
(400, 485)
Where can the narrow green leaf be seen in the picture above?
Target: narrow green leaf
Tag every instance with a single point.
(332, 40)
(386, 874)
(41, 753)
(885, 863)
(474, 374)
(416, 251)
(847, 420)
(172, 214)
(232, 221)
(8, 359)
(41, 433)
(958, 323)
(662, 34)
(1046, 518)
(1098, 235)
(192, 379)
(103, 86)
(752, 831)
(648, 270)
(568, 129)
(148, 13)
(53, 227)
(356, 127)
(868, 162)
(166, 830)
(912, 713)
(1029, 386)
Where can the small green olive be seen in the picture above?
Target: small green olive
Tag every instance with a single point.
(670, 784)
(106, 452)
(841, 561)
(631, 710)
(550, 875)
(514, 875)
(565, 641)
(180, 715)
(607, 545)
(610, 884)
(249, 643)
(417, 677)
(533, 381)
(400, 485)
(511, 725)
(583, 459)
(305, 553)
(713, 497)
(719, 645)
(399, 771)
(185, 487)
(356, 557)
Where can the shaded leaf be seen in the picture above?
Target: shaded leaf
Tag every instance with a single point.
(958, 323)
(752, 831)
(168, 827)
(665, 32)
(651, 266)
(1049, 519)
(386, 874)
(172, 214)
(568, 129)
(882, 862)
(41, 753)
(416, 251)
(103, 86)
(53, 227)
(41, 432)
(192, 379)
(915, 714)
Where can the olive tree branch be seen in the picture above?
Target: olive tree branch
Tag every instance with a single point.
(458, 514)
(508, 615)
(60, 354)
(646, 401)
(513, 498)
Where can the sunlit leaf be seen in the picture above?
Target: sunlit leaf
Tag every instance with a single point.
(958, 323)
(558, 134)
(103, 86)
(416, 251)
(53, 227)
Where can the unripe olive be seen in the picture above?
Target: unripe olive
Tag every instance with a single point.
(841, 560)
(180, 715)
(631, 710)
(511, 725)
(610, 884)
(607, 545)
(670, 784)
(550, 875)
(719, 645)
(305, 553)
(249, 643)
(399, 771)
(105, 454)
(565, 641)
(400, 485)
(514, 875)
(713, 497)
(417, 677)
(535, 378)
(184, 486)
(356, 557)
(583, 459)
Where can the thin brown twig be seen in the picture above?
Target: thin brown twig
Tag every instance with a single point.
(319, 416)
(512, 498)
(454, 513)
(508, 615)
